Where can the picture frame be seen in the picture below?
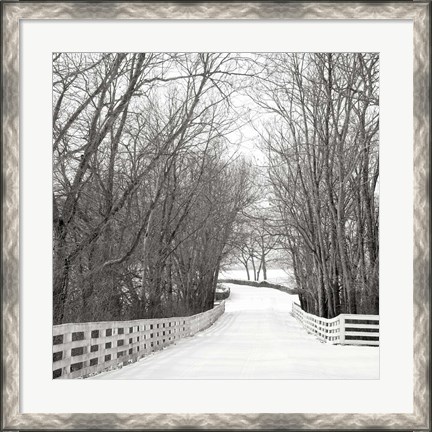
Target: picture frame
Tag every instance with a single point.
(13, 12)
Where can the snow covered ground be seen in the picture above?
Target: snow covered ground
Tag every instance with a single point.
(256, 338)
(274, 275)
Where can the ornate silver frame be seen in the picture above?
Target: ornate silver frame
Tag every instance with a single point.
(13, 12)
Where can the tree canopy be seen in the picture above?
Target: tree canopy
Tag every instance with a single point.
(156, 182)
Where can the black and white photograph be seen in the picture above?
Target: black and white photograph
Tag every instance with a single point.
(215, 215)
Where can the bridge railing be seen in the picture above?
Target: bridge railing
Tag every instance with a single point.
(85, 348)
(345, 329)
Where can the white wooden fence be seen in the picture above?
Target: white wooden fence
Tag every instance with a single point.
(86, 348)
(345, 329)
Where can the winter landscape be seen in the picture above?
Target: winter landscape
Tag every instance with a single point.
(215, 215)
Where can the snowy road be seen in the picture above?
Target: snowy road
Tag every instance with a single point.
(256, 338)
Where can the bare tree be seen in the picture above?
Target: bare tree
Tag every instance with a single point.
(136, 137)
(323, 165)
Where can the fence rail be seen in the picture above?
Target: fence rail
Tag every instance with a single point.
(85, 348)
(345, 329)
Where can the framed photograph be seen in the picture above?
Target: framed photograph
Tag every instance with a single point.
(216, 215)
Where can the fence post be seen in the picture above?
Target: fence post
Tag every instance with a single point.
(67, 353)
(342, 329)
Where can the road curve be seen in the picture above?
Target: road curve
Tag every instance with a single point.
(256, 338)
